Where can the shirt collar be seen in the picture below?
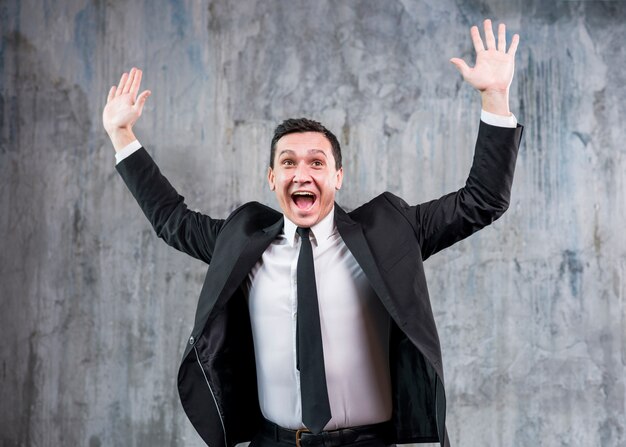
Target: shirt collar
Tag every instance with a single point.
(320, 232)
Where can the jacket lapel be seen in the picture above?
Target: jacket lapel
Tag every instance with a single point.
(212, 300)
(352, 235)
(250, 255)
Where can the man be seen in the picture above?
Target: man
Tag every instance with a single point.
(314, 325)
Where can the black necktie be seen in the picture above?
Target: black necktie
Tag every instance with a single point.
(315, 405)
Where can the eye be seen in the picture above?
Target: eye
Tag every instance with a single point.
(318, 163)
(287, 162)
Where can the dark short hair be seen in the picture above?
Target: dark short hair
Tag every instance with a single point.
(301, 125)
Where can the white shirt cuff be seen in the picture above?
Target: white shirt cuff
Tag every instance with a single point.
(498, 120)
(128, 150)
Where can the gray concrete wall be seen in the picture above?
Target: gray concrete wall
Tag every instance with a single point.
(95, 310)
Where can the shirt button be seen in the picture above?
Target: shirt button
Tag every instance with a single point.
(191, 340)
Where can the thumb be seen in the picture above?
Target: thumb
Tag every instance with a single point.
(141, 100)
(461, 66)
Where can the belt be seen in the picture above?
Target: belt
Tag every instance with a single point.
(331, 438)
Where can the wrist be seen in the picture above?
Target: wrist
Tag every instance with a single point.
(496, 102)
(121, 137)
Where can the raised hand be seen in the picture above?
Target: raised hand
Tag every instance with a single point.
(123, 108)
(493, 71)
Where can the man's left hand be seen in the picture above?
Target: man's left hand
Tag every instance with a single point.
(493, 72)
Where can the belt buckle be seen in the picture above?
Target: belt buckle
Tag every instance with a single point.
(299, 434)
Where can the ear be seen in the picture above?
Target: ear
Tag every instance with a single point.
(271, 179)
(339, 179)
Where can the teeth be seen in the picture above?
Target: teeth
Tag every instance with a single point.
(302, 193)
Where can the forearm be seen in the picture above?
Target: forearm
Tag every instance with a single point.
(485, 196)
(495, 155)
(188, 231)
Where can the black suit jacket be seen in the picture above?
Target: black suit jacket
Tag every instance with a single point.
(388, 238)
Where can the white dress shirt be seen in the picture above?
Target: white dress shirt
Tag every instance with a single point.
(354, 325)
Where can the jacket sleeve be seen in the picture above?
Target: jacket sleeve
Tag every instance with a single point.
(188, 231)
(484, 198)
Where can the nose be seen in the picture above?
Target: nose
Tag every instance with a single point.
(301, 174)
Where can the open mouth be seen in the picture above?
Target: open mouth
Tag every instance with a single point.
(304, 200)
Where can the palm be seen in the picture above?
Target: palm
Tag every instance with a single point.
(124, 107)
(493, 71)
(120, 112)
(494, 66)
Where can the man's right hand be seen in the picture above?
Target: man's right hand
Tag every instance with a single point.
(123, 109)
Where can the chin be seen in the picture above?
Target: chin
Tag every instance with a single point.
(302, 217)
(305, 221)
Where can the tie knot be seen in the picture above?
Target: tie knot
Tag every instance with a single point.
(303, 232)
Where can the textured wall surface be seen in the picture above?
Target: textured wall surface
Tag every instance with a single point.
(95, 310)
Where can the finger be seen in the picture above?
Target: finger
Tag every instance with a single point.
(489, 37)
(134, 88)
(514, 43)
(478, 43)
(141, 100)
(502, 37)
(461, 66)
(111, 93)
(129, 81)
(120, 86)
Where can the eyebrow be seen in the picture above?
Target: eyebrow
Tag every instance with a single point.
(310, 151)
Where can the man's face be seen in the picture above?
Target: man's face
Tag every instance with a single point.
(304, 177)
